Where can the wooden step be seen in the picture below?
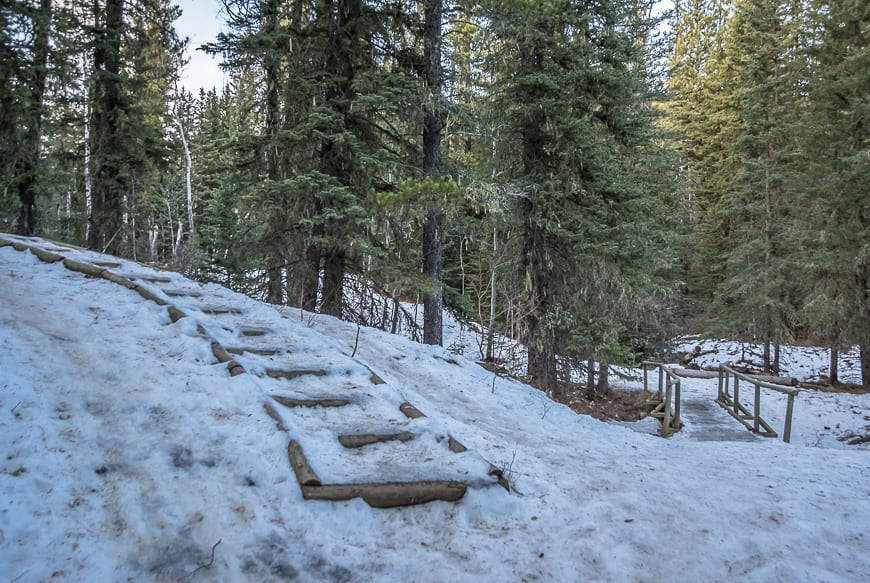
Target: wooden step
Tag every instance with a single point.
(257, 351)
(389, 494)
(182, 293)
(289, 402)
(220, 310)
(293, 374)
(410, 411)
(253, 332)
(362, 439)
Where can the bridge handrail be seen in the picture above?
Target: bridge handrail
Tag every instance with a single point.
(741, 414)
(670, 414)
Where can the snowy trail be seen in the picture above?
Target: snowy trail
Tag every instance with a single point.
(129, 453)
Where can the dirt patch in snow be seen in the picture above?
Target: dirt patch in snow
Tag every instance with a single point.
(850, 388)
(615, 404)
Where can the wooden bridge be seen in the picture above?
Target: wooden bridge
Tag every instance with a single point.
(667, 403)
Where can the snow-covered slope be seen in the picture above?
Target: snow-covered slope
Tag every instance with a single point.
(130, 453)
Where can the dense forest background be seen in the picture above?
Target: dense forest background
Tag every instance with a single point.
(584, 177)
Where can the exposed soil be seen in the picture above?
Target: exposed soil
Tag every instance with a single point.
(616, 404)
(851, 388)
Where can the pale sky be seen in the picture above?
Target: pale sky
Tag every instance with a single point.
(200, 21)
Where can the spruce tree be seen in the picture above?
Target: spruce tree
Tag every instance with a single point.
(573, 94)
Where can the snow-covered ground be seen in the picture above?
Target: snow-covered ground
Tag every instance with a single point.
(130, 453)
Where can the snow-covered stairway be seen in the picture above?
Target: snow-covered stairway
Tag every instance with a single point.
(350, 434)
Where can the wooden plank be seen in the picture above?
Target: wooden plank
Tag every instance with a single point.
(304, 473)
(288, 402)
(108, 264)
(410, 411)
(390, 494)
(292, 374)
(362, 439)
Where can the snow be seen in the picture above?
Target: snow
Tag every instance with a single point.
(130, 453)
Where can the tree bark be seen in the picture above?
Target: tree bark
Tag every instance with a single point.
(433, 300)
(333, 278)
(108, 179)
(28, 162)
(862, 284)
(603, 378)
(833, 370)
(542, 360)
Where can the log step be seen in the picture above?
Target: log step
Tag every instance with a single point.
(410, 411)
(219, 310)
(108, 264)
(288, 402)
(292, 374)
(254, 331)
(360, 440)
(258, 351)
(389, 494)
(181, 293)
(153, 279)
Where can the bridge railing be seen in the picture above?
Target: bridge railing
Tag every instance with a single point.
(753, 421)
(666, 398)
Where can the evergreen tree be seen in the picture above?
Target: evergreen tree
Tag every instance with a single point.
(836, 202)
(573, 90)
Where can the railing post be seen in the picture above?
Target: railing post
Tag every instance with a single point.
(736, 394)
(786, 433)
(645, 378)
(721, 375)
(661, 378)
(666, 421)
(757, 411)
(677, 422)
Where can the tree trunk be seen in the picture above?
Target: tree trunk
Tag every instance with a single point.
(603, 378)
(108, 179)
(188, 183)
(833, 370)
(313, 253)
(432, 124)
(542, 358)
(590, 378)
(863, 297)
(333, 278)
(28, 162)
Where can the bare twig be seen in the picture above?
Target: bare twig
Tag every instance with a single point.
(210, 563)
(16, 406)
(356, 342)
